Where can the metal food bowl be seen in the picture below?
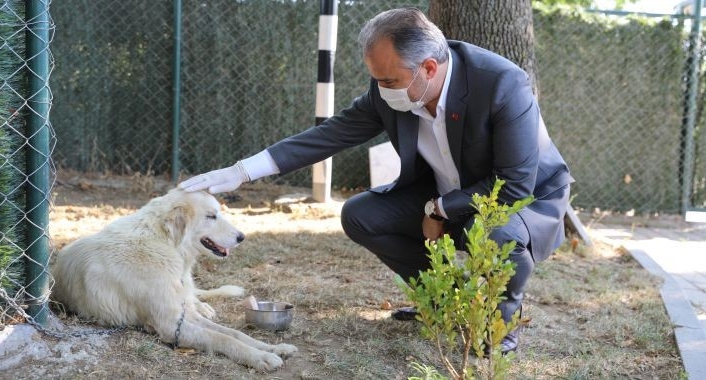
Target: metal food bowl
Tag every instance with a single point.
(272, 316)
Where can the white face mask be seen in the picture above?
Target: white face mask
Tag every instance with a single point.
(399, 100)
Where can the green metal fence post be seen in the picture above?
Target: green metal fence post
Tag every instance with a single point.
(38, 157)
(690, 117)
(176, 90)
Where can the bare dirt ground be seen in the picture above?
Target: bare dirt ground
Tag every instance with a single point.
(595, 313)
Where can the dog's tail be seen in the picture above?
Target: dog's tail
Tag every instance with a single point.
(223, 291)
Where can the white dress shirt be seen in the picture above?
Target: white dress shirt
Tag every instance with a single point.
(433, 144)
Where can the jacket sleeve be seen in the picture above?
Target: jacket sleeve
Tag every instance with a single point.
(353, 126)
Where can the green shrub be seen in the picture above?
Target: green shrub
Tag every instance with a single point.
(458, 303)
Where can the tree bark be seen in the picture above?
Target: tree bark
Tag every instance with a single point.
(502, 26)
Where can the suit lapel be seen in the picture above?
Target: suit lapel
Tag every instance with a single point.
(456, 108)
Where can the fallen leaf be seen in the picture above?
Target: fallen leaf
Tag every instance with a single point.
(185, 351)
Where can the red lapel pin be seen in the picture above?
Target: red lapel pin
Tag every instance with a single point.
(454, 116)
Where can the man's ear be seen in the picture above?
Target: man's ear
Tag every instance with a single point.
(431, 66)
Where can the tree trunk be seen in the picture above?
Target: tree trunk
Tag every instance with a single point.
(502, 26)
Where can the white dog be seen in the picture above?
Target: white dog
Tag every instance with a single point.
(137, 272)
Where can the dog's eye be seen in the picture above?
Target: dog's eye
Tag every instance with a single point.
(211, 216)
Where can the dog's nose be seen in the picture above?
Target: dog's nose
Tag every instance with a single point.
(240, 237)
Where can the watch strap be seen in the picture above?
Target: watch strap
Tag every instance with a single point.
(436, 217)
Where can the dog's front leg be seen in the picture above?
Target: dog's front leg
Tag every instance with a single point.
(203, 308)
(193, 292)
(195, 335)
(284, 350)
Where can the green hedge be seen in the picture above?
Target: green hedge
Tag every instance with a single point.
(11, 157)
(611, 90)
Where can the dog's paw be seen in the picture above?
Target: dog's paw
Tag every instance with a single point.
(267, 361)
(205, 309)
(284, 350)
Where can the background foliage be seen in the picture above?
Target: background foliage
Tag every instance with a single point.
(12, 168)
(611, 88)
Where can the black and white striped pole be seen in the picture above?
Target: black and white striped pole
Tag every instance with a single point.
(328, 29)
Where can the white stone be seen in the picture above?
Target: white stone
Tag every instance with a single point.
(384, 164)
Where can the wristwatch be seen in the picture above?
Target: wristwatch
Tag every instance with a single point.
(430, 210)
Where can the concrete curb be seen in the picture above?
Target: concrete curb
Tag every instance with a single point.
(691, 338)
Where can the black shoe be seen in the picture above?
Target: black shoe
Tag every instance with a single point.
(405, 314)
(510, 341)
(508, 344)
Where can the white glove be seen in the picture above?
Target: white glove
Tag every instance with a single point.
(218, 181)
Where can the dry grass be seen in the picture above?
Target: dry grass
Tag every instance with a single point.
(595, 313)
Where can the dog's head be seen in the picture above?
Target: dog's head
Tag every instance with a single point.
(193, 220)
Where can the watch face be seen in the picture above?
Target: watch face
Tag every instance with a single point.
(429, 208)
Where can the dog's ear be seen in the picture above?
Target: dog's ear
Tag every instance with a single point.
(175, 222)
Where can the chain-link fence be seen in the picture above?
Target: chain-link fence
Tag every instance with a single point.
(612, 92)
(113, 85)
(26, 171)
(248, 79)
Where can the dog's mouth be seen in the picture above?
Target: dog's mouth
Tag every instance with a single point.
(213, 247)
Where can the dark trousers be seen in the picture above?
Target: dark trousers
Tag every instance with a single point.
(390, 226)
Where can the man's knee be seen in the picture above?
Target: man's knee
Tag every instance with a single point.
(351, 214)
(515, 230)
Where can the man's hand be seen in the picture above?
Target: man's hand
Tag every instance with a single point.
(432, 229)
(217, 181)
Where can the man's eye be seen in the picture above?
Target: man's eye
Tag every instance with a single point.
(211, 216)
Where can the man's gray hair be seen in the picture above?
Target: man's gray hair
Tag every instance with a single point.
(413, 36)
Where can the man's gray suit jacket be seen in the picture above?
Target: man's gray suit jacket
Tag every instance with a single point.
(494, 129)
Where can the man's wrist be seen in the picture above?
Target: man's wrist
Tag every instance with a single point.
(430, 210)
(241, 170)
(260, 165)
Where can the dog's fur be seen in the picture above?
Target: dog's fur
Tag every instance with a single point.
(137, 272)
